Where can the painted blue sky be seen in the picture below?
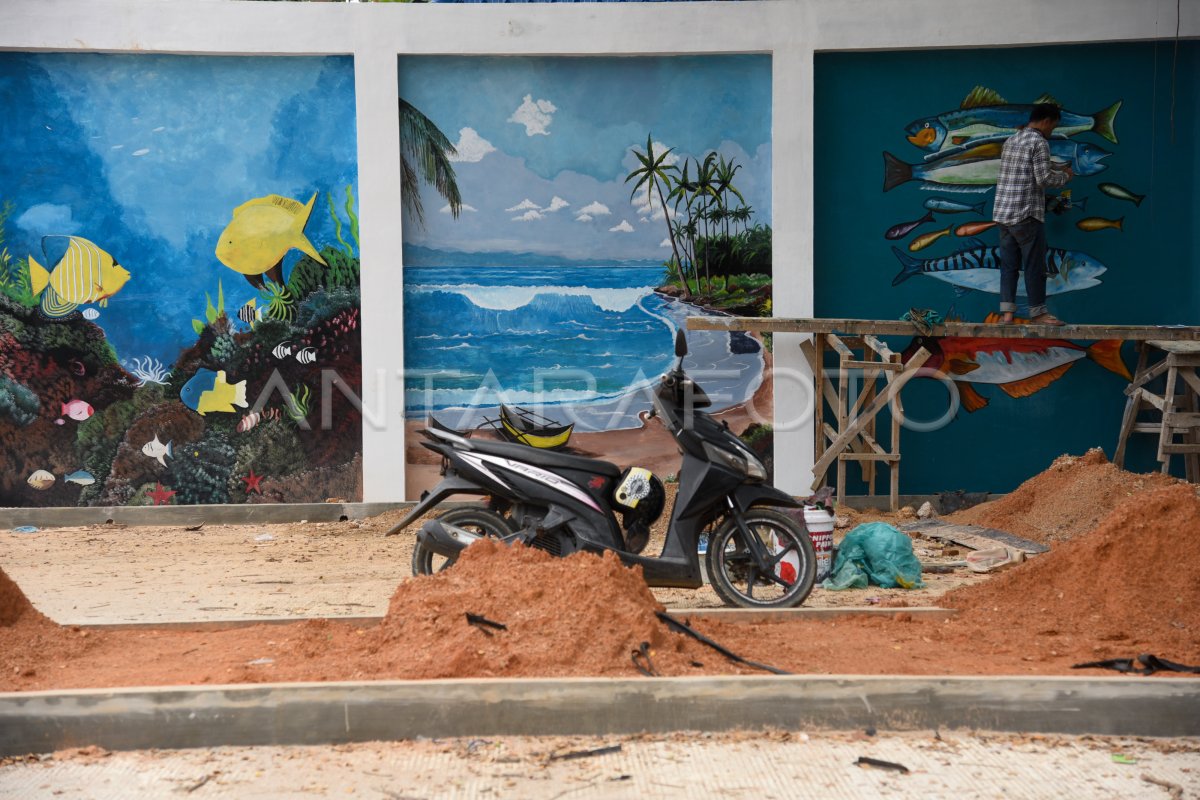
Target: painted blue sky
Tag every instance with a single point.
(148, 155)
(544, 145)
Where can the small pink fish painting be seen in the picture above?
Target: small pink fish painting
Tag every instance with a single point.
(77, 410)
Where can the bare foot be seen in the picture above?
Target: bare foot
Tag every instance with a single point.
(1006, 318)
(1047, 319)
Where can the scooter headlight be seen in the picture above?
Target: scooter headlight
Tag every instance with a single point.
(742, 462)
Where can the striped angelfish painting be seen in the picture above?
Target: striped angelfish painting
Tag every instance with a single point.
(86, 274)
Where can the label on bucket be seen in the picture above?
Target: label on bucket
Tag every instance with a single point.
(820, 530)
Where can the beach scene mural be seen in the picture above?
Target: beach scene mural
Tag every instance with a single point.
(922, 239)
(178, 280)
(563, 217)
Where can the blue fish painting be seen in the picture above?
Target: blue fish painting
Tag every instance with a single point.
(977, 168)
(209, 391)
(944, 205)
(985, 116)
(978, 268)
(81, 477)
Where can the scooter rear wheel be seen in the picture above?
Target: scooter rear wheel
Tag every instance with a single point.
(735, 575)
(476, 520)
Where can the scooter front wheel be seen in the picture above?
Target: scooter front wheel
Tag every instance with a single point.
(738, 579)
(476, 520)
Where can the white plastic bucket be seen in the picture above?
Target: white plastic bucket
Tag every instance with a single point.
(820, 530)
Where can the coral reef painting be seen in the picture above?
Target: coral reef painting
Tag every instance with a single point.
(179, 280)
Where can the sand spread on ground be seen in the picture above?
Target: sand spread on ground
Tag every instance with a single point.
(1129, 586)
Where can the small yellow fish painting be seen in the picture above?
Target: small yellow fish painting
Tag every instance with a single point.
(926, 239)
(261, 232)
(86, 274)
(209, 391)
(1100, 223)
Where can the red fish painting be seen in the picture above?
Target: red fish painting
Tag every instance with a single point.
(1020, 367)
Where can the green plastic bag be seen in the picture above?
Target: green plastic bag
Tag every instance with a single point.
(875, 553)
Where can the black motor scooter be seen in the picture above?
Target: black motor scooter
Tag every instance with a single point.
(757, 556)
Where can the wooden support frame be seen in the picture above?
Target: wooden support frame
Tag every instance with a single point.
(853, 436)
(1172, 413)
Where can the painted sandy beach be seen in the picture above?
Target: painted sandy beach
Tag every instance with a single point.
(647, 445)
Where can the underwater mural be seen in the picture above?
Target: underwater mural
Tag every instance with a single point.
(563, 217)
(179, 280)
(1116, 235)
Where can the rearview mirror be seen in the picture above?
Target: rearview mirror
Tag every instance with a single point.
(680, 343)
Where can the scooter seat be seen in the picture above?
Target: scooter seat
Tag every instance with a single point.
(546, 458)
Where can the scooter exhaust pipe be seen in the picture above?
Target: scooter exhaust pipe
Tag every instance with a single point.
(447, 541)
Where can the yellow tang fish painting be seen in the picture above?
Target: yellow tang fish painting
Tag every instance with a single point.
(86, 274)
(261, 232)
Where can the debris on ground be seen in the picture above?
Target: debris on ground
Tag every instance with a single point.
(994, 559)
(950, 502)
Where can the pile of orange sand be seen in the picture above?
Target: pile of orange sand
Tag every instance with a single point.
(1071, 497)
(1132, 583)
(582, 614)
(14, 605)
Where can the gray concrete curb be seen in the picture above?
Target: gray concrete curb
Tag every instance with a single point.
(216, 514)
(334, 713)
(714, 614)
(270, 513)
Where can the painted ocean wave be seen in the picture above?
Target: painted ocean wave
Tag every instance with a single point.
(510, 298)
(579, 345)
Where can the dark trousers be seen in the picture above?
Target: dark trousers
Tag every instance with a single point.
(1023, 249)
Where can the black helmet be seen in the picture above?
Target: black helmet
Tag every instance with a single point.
(640, 497)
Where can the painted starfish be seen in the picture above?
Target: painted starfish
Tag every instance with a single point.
(252, 482)
(160, 496)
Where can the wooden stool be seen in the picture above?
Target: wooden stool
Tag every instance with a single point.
(1171, 414)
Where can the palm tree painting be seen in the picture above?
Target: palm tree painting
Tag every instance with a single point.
(653, 170)
(425, 156)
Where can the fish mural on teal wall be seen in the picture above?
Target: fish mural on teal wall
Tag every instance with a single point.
(1148, 184)
(985, 116)
(975, 169)
(978, 269)
(1020, 367)
(961, 154)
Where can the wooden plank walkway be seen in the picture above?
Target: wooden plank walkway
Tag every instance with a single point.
(878, 327)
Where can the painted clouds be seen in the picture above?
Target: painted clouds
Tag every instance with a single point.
(548, 175)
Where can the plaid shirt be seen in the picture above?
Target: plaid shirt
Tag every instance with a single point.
(1025, 173)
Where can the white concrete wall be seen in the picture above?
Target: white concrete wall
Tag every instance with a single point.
(376, 34)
